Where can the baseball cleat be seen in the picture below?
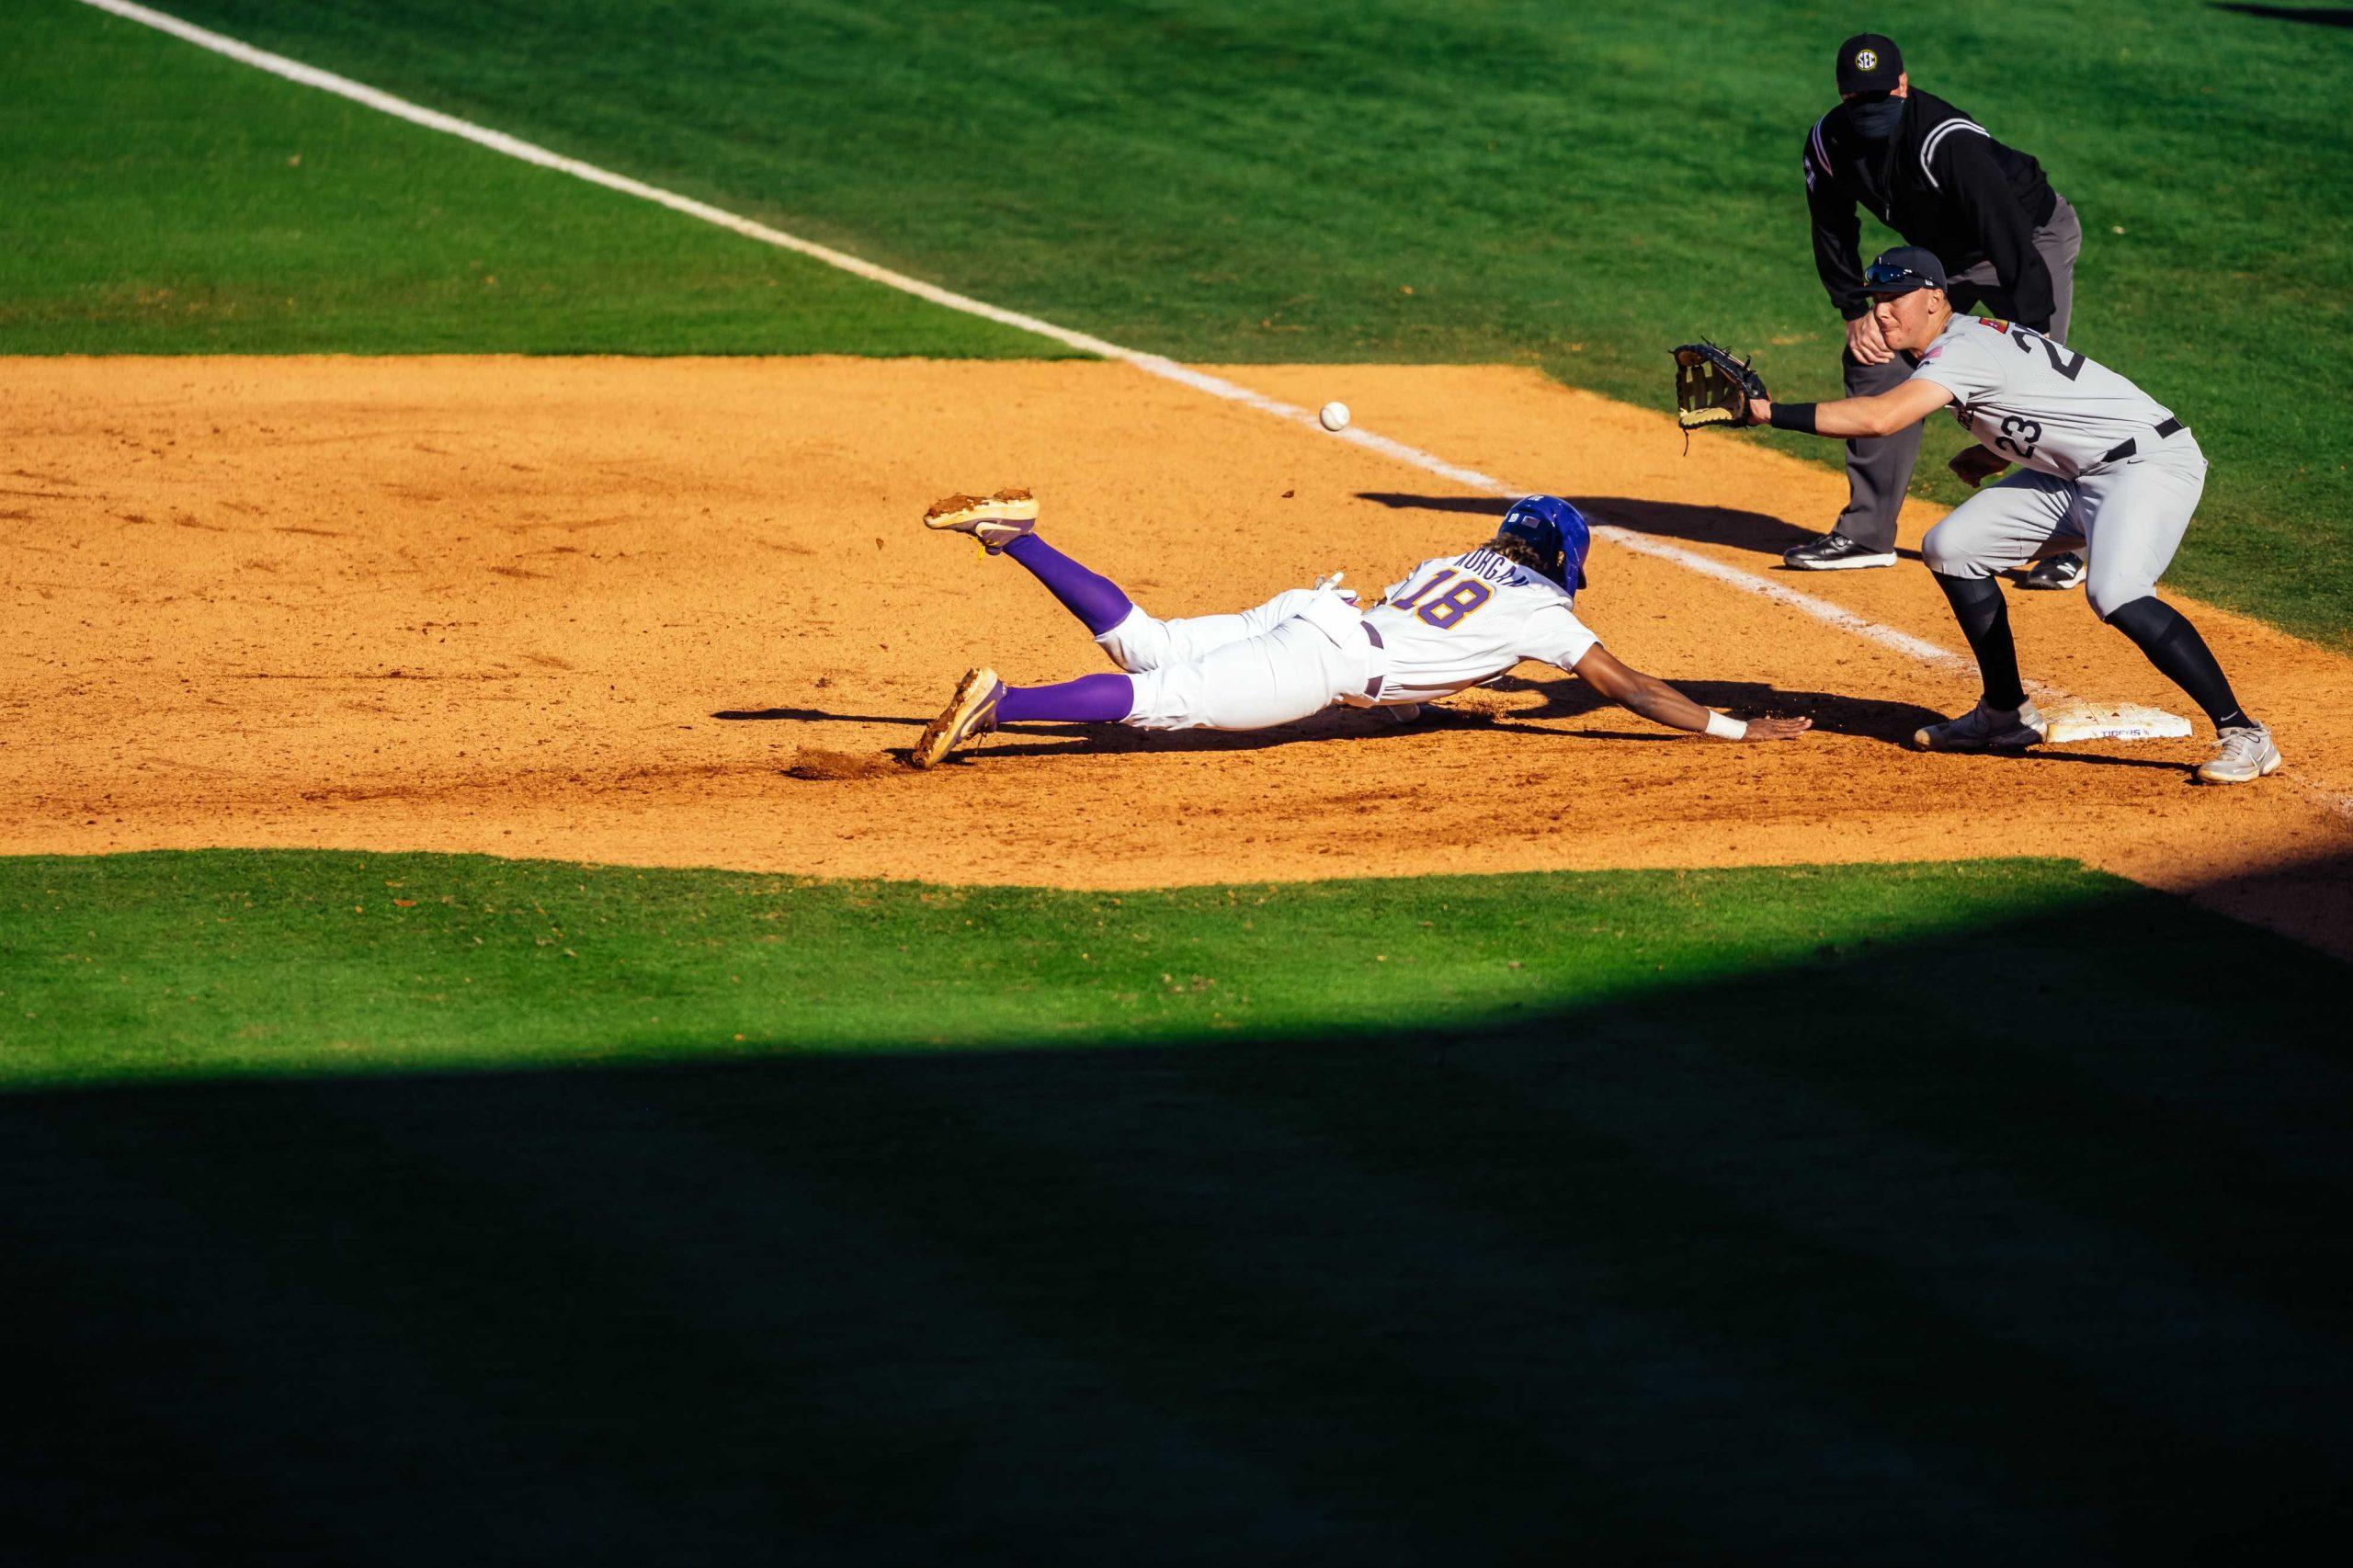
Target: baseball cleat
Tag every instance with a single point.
(1399, 712)
(995, 520)
(2056, 572)
(2241, 756)
(1984, 729)
(1835, 553)
(971, 712)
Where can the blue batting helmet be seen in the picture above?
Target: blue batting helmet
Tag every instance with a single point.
(1559, 532)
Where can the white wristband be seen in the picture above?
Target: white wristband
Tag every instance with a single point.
(1727, 729)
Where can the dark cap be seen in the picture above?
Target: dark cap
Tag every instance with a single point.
(1903, 269)
(1868, 62)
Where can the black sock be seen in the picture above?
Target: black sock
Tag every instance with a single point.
(1985, 617)
(2172, 644)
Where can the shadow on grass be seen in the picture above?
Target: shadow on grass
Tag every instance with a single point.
(1960, 1251)
(2318, 15)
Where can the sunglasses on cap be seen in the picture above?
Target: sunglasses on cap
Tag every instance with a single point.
(1897, 279)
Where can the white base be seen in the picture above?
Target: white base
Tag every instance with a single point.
(2115, 722)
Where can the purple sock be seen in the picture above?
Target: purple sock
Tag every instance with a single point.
(1096, 600)
(1089, 699)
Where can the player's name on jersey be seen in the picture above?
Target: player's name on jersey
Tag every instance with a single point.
(1488, 564)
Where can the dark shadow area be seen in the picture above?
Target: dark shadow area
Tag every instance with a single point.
(1027, 739)
(1700, 525)
(1565, 697)
(752, 715)
(2309, 900)
(1475, 506)
(2318, 15)
(1794, 1266)
(1731, 526)
(1348, 725)
(1835, 714)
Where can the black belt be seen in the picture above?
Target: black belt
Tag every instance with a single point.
(1372, 687)
(2123, 450)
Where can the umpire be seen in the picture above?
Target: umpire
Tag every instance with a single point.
(1939, 178)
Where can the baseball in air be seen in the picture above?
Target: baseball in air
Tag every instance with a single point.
(1334, 416)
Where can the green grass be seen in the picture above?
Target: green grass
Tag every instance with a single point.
(1966, 1213)
(1573, 188)
(161, 200)
(138, 965)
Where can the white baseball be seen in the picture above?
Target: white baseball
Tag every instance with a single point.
(1334, 416)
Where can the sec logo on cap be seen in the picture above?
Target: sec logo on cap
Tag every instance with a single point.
(1866, 59)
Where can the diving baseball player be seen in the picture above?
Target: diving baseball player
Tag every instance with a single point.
(2106, 467)
(1451, 623)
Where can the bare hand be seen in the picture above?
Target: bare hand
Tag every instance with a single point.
(1777, 728)
(1865, 342)
(1761, 411)
(1974, 465)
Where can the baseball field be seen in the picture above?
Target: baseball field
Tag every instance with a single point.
(501, 1058)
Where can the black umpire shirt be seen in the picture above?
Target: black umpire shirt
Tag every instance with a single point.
(1941, 181)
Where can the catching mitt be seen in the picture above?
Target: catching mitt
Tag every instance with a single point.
(1713, 388)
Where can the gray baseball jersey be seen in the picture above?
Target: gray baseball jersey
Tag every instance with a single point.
(2037, 401)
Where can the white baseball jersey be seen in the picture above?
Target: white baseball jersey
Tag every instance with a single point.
(2036, 401)
(1457, 621)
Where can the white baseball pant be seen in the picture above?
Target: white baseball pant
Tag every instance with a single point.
(1296, 655)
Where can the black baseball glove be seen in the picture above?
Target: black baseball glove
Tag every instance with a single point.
(1713, 388)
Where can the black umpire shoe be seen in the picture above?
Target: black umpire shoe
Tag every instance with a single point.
(1835, 553)
(2056, 572)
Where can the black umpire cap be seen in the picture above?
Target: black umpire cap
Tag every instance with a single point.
(1868, 62)
(1902, 269)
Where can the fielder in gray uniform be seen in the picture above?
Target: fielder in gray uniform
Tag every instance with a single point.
(2104, 468)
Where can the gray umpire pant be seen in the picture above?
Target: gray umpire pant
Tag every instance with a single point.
(1878, 471)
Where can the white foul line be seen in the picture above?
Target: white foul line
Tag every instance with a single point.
(1151, 364)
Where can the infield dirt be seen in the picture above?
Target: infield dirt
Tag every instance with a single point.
(680, 612)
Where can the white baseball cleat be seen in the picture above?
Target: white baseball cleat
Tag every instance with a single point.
(1984, 729)
(2241, 756)
(971, 711)
(995, 520)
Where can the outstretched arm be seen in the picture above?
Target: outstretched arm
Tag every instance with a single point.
(1657, 701)
(1882, 414)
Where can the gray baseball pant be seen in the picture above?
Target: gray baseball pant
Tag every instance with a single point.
(2129, 519)
(1878, 470)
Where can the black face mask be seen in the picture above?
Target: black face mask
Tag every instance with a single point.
(1875, 116)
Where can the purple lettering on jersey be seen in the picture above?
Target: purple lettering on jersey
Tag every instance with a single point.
(1413, 597)
(1492, 567)
(1457, 602)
